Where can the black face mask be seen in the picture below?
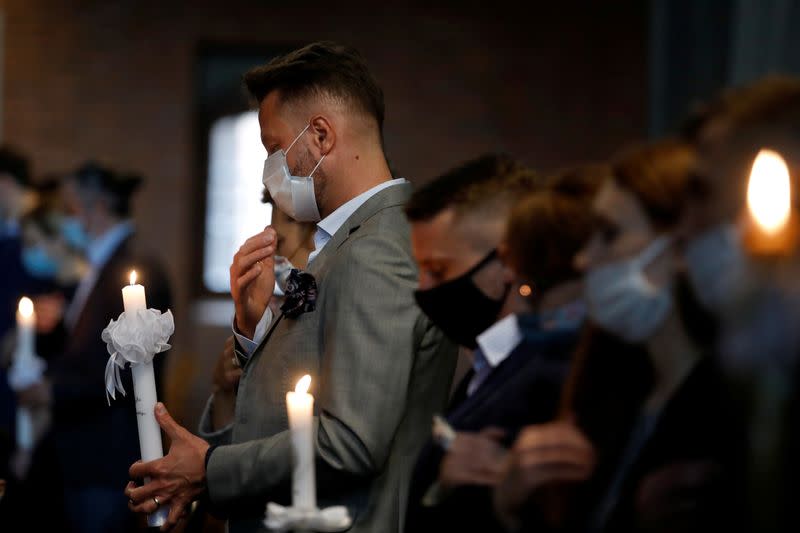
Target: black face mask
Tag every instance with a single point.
(459, 308)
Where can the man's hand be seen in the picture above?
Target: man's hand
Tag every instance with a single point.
(227, 371)
(226, 377)
(37, 396)
(543, 455)
(176, 479)
(473, 459)
(253, 279)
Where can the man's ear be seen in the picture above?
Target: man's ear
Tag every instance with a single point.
(323, 134)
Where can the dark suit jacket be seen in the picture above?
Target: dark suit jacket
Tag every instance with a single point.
(524, 389)
(97, 443)
(698, 426)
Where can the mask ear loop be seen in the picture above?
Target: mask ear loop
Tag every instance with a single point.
(297, 138)
(317, 166)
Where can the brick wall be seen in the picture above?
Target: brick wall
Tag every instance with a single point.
(112, 79)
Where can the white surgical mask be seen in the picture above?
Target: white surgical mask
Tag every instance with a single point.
(294, 195)
(623, 301)
(717, 267)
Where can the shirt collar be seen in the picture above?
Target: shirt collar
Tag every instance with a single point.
(101, 248)
(331, 223)
(328, 226)
(497, 342)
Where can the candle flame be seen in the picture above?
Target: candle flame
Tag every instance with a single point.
(303, 385)
(133, 277)
(25, 307)
(769, 191)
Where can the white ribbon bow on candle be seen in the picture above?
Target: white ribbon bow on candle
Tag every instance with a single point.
(280, 518)
(135, 337)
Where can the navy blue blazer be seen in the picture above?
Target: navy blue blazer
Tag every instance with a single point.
(524, 389)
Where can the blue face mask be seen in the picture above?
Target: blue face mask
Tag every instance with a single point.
(73, 233)
(39, 263)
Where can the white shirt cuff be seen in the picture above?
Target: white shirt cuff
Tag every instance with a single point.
(250, 345)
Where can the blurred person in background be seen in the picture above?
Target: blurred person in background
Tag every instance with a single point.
(95, 442)
(54, 244)
(525, 290)
(16, 199)
(755, 295)
(649, 440)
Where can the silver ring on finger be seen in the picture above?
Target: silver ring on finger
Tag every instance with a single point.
(158, 503)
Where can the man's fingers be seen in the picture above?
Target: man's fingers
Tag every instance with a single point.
(167, 423)
(556, 473)
(247, 278)
(555, 435)
(242, 263)
(260, 240)
(140, 495)
(233, 376)
(555, 456)
(176, 511)
(141, 470)
(147, 506)
(494, 433)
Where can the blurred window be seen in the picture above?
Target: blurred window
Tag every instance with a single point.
(234, 211)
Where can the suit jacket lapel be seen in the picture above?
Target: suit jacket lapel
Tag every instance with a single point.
(395, 195)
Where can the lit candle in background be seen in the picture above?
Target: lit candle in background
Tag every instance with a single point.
(300, 406)
(26, 324)
(769, 204)
(144, 390)
(24, 359)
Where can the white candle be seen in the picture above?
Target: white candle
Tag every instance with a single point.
(26, 322)
(300, 406)
(133, 295)
(144, 390)
(23, 357)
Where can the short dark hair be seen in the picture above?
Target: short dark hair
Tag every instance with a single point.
(15, 165)
(657, 174)
(118, 187)
(323, 69)
(485, 181)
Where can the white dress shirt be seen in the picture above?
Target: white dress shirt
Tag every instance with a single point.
(98, 253)
(494, 346)
(326, 229)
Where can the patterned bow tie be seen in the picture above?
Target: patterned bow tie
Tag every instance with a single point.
(301, 294)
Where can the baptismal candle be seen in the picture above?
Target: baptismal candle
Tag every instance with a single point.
(23, 356)
(144, 390)
(300, 405)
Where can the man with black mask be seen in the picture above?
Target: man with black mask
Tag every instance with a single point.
(458, 222)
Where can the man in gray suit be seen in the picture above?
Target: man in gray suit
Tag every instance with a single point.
(379, 368)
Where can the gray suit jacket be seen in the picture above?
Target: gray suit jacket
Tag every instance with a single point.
(379, 371)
